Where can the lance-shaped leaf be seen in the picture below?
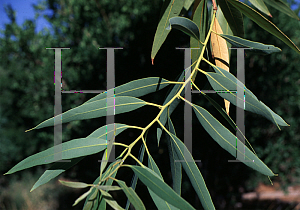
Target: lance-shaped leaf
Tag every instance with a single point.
(74, 184)
(185, 25)
(110, 200)
(228, 141)
(259, 4)
(201, 19)
(107, 187)
(174, 163)
(253, 46)
(83, 196)
(263, 22)
(136, 88)
(68, 150)
(282, 7)
(94, 200)
(173, 10)
(230, 19)
(193, 172)
(159, 202)
(60, 167)
(220, 52)
(225, 84)
(159, 187)
(172, 106)
(97, 108)
(131, 195)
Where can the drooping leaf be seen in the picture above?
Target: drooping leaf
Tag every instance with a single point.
(159, 187)
(74, 184)
(131, 195)
(94, 200)
(172, 106)
(263, 22)
(228, 141)
(185, 25)
(201, 19)
(259, 4)
(60, 167)
(136, 88)
(174, 163)
(253, 46)
(220, 52)
(193, 172)
(282, 7)
(83, 196)
(110, 200)
(55, 170)
(224, 81)
(95, 109)
(159, 202)
(173, 10)
(71, 149)
(232, 19)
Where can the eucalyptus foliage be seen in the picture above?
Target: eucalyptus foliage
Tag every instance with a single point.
(227, 13)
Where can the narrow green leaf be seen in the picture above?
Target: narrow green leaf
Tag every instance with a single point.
(201, 19)
(94, 200)
(174, 163)
(163, 118)
(259, 4)
(228, 141)
(131, 195)
(222, 84)
(83, 196)
(60, 167)
(134, 178)
(74, 184)
(107, 187)
(255, 46)
(193, 172)
(159, 202)
(263, 22)
(282, 7)
(94, 109)
(110, 200)
(233, 19)
(71, 149)
(159, 187)
(173, 10)
(136, 88)
(185, 25)
(55, 170)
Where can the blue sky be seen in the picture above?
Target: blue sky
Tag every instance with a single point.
(24, 10)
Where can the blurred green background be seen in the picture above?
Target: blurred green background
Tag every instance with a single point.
(27, 98)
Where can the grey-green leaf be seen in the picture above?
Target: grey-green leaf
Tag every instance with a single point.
(68, 150)
(159, 187)
(159, 202)
(259, 4)
(131, 195)
(136, 88)
(193, 172)
(60, 167)
(173, 9)
(254, 46)
(97, 108)
(224, 81)
(282, 7)
(74, 184)
(185, 25)
(228, 141)
(109, 199)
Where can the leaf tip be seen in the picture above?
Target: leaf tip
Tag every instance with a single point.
(152, 61)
